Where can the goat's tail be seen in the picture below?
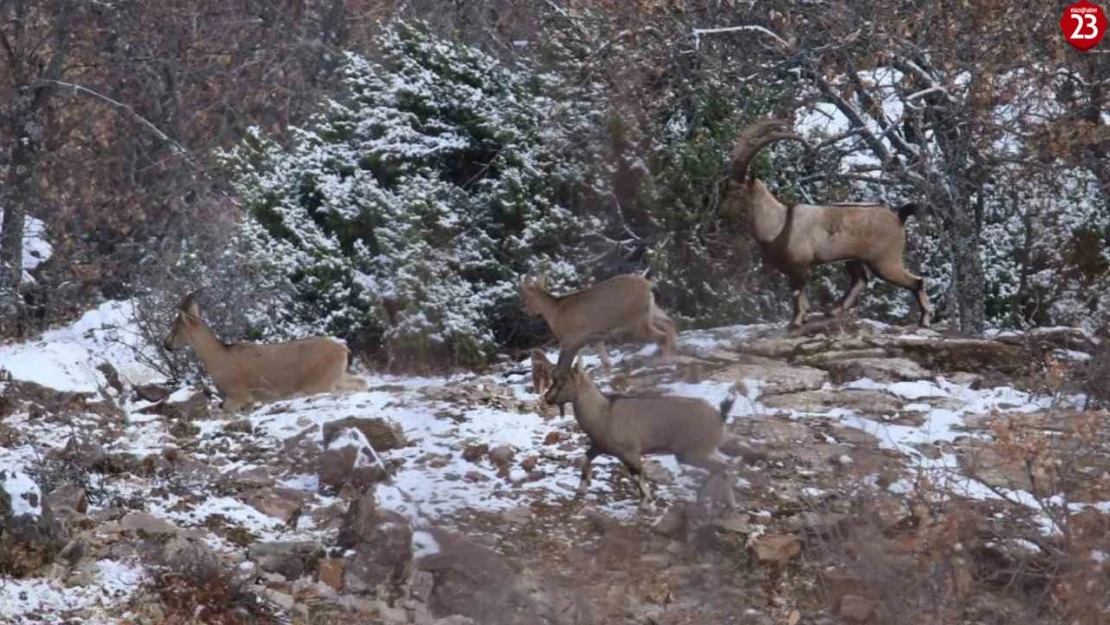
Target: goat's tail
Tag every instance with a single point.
(904, 211)
(726, 407)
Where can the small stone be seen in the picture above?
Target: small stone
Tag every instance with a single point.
(242, 425)
(393, 615)
(672, 522)
(502, 455)
(475, 476)
(776, 548)
(68, 496)
(856, 608)
(554, 438)
(143, 523)
(152, 392)
(475, 452)
(456, 619)
(330, 572)
(529, 463)
(280, 599)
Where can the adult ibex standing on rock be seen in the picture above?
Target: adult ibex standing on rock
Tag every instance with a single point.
(245, 373)
(795, 238)
(619, 305)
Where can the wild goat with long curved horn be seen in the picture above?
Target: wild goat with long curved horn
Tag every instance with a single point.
(795, 238)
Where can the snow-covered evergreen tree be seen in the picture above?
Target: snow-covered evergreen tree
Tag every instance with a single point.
(406, 214)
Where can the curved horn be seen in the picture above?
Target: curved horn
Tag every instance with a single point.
(754, 138)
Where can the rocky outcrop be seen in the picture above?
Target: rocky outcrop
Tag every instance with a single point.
(30, 535)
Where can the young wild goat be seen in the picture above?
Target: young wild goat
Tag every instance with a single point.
(795, 238)
(619, 305)
(629, 427)
(246, 373)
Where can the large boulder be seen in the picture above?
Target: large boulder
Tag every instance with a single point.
(380, 433)
(348, 459)
(473, 581)
(30, 535)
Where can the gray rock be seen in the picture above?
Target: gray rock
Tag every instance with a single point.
(878, 369)
(383, 560)
(30, 535)
(146, 524)
(68, 496)
(290, 559)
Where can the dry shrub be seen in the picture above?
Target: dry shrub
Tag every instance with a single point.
(194, 586)
(934, 555)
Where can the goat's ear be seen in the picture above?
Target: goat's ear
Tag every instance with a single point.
(189, 306)
(578, 366)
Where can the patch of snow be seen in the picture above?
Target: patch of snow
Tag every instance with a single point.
(26, 498)
(66, 358)
(49, 599)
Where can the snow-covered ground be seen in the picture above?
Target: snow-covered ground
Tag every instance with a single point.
(434, 483)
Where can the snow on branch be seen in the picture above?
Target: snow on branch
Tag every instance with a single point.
(698, 32)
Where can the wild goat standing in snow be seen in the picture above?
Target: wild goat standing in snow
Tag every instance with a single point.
(797, 237)
(619, 305)
(246, 373)
(628, 427)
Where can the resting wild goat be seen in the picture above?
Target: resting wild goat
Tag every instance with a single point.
(797, 237)
(628, 427)
(619, 305)
(246, 373)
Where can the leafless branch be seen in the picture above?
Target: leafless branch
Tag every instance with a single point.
(698, 32)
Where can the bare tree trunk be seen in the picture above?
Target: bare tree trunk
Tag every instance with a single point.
(969, 277)
(20, 194)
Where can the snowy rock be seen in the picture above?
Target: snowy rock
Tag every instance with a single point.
(878, 369)
(30, 536)
(382, 434)
(776, 377)
(502, 456)
(347, 460)
(863, 401)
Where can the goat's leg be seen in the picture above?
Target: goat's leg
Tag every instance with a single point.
(635, 466)
(857, 275)
(587, 471)
(664, 324)
(896, 274)
(798, 280)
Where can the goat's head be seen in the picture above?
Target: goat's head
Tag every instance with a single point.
(188, 319)
(531, 291)
(566, 384)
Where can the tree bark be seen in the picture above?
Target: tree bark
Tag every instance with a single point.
(19, 196)
(969, 277)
